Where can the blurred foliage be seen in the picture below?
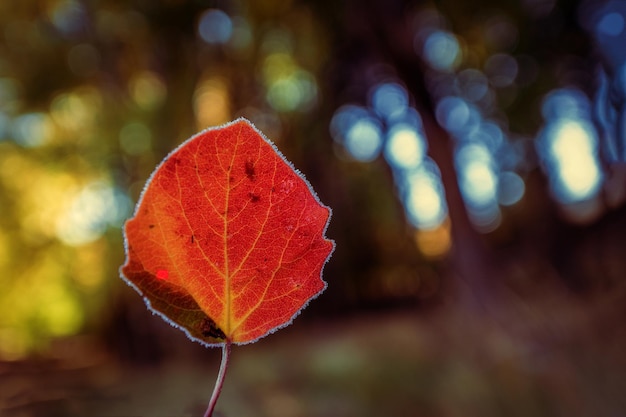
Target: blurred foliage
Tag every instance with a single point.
(94, 93)
(92, 96)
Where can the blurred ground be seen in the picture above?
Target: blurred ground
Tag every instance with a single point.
(547, 355)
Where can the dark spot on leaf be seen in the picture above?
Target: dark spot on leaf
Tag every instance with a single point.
(254, 197)
(250, 171)
(192, 238)
(171, 163)
(231, 178)
(208, 328)
(151, 226)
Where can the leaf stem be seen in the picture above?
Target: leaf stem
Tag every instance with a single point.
(220, 378)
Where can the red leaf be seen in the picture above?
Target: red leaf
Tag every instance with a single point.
(227, 240)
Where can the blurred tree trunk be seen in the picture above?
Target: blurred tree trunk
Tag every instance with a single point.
(380, 31)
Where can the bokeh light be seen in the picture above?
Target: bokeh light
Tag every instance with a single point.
(478, 141)
(477, 178)
(91, 211)
(441, 50)
(572, 149)
(75, 112)
(611, 24)
(389, 123)
(56, 237)
(568, 145)
(212, 102)
(511, 188)
(405, 147)
(32, 129)
(148, 90)
(389, 100)
(364, 139)
(289, 87)
(424, 201)
(215, 26)
(68, 16)
(135, 138)
(454, 114)
(298, 91)
(436, 242)
(478, 181)
(241, 38)
(358, 131)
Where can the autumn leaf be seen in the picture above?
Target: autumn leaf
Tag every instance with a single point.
(227, 241)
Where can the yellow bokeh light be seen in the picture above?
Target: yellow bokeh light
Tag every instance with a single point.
(212, 103)
(289, 87)
(39, 192)
(76, 111)
(278, 65)
(41, 195)
(436, 242)
(39, 302)
(82, 270)
(147, 90)
(44, 280)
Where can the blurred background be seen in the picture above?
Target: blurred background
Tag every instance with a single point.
(473, 154)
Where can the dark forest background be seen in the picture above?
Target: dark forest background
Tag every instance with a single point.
(472, 153)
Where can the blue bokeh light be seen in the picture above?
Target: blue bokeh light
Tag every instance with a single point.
(30, 129)
(343, 119)
(390, 121)
(477, 176)
(423, 197)
(441, 50)
(389, 100)
(565, 103)
(511, 188)
(611, 24)
(364, 140)
(215, 27)
(486, 218)
(569, 147)
(489, 134)
(68, 16)
(358, 131)
(453, 114)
